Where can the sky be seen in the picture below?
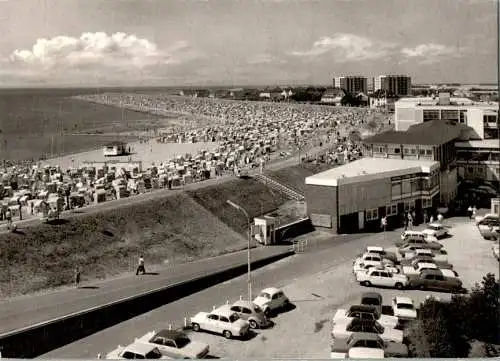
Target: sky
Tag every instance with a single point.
(244, 42)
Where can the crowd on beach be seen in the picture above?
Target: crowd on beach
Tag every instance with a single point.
(249, 134)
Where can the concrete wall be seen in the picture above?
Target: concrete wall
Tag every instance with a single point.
(475, 121)
(366, 195)
(406, 117)
(322, 205)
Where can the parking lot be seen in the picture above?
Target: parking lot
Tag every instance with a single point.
(317, 282)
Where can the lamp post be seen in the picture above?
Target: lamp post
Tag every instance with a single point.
(242, 210)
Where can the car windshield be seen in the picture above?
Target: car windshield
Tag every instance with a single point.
(265, 295)
(182, 342)
(372, 344)
(370, 301)
(405, 306)
(153, 354)
(234, 317)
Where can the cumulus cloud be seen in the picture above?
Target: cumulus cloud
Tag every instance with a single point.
(98, 49)
(347, 47)
(431, 53)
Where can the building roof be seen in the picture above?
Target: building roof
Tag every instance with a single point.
(434, 132)
(486, 143)
(366, 169)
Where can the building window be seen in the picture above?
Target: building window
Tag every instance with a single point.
(396, 189)
(426, 202)
(408, 205)
(413, 151)
(372, 214)
(421, 151)
(391, 210)
(406, 186)
(397, 150)
(428, 152)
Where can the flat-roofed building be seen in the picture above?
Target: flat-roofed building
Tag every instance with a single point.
(434, 140)
(352, 84)
(399, 85)
(355, 196)
(478, 160)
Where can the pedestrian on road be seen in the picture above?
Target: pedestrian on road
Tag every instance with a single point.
(431, 220)
(140, 267)
(8, 217)
(440, 218)
(469, 212)
(474, 212)
(77, 276)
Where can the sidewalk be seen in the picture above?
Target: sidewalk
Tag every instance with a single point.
(25, 311)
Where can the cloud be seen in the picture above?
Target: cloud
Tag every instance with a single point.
(347, 47)
(431, 52)
(264, 59)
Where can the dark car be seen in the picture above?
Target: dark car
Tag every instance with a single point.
(420, 244)
(436, 280)
(426, 259)
(372, 299)
(370, 340)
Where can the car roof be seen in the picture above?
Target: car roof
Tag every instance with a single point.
(448, 273)
(359, 321)
(365, 352)
(371, 295)
(244, 303)
(374, 248)
(139, 347)
(365, 336)
(371, 254)
(421, 258)
(171, 334)
(436, 272)
(403, 299)
(223, 310)
(436, 225)
(410, 233)
(271, 290)
(424, 251)
(363, 308)
(428, 265)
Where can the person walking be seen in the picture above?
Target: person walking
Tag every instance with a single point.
(8, 217)
(77, 277)
(410, 221)
(469, 212)
(140, 267)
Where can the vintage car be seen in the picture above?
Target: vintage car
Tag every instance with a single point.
(136, 350)
(427, 259)
(364, 312)
(344, 330)
(436, 230)
(372, 299)
(249, 311)
(417, 267)
(391, 256)
(419, 244)
(436, 280)
(175, 344)
(221, 320)
(373, 261)
(381, 277)
(410, 235)
(488, 226)
(343, 348)
(403, 308)
(439, 255)
(271, 299)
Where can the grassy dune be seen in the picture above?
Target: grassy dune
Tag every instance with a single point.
(174, 228)
(295, 176)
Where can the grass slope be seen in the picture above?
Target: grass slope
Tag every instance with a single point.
(294, 177)
(255, 197)
(32, 124)
(174, 228)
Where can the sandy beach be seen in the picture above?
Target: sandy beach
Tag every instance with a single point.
(150, 153)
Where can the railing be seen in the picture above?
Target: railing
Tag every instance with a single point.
(299, 246)
(279, 187)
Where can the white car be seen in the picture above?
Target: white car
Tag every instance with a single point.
(391, 256)
(364, 312)
(271, 299)
(361, 267)
(407, 234)
(435, 230)
(404, 308)
(136, 350)
(418, 267)
(344, 330)
(362, 344)
(221, 320)
(249, 311)
(496, 251)
(369, 259)
(175, 344)
(381, 277)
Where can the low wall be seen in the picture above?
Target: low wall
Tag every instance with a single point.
(291, 230)
(38, 339)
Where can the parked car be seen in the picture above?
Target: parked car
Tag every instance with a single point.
(175, 344)
(372, 299)
(136, 350)
(417, 267)
(436, 230)
(364, 312)
(271, 299)
(439, 255)
(342, 348)
(405, 235)
(249, 311)
(371, 258)
(391, 256)
(362, 267)
(426, 259)
(221, 320)
(419, 244)
(436, 280)
(404, 308)
(486, 217)
(488, 227)
(382, 278)
(344, 330)
(496, 251)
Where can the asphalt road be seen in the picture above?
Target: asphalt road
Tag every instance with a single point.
(320, 255)
(20, 312)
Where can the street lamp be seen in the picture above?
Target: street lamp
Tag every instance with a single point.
(242, 210)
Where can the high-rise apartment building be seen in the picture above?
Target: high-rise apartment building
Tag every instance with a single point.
(351, 84)
(399, 85)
